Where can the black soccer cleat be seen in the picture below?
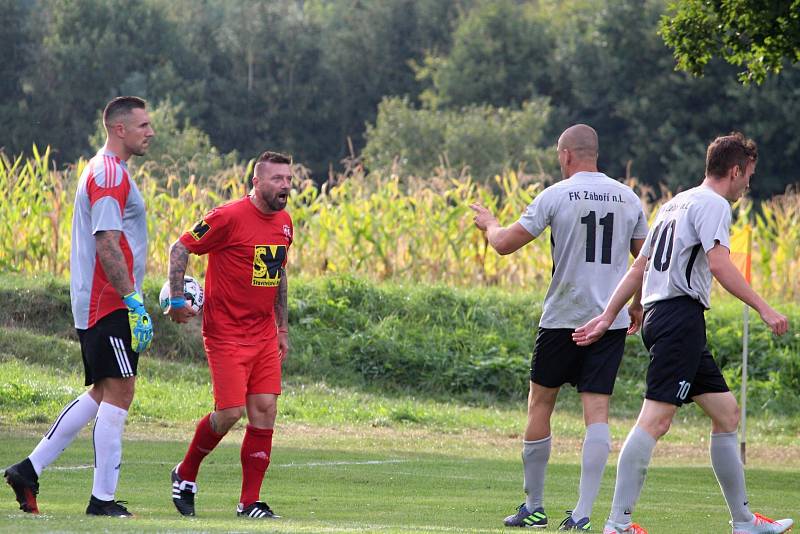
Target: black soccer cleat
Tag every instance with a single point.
(183, 493)
(25, 482)
(110, 508)
(527, 518)
(257, 510)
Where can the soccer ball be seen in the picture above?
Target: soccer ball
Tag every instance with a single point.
(192, 290)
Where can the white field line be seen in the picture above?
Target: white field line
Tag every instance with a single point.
(291, 464)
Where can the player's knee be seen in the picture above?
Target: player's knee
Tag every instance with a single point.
(118, 392)
(728, 421)
(657, 427)
(223, 420)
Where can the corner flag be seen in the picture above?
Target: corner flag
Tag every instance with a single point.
(741, 250)
(741, 256)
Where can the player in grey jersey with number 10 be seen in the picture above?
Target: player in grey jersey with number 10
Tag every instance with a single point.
(689, 242)
(595, 223)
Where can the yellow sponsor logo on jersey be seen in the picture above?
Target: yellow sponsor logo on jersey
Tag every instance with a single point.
(267, 263)
(200, 229)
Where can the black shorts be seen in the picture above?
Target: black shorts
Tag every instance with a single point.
(106, 348)
(592, 369)
(681, 366)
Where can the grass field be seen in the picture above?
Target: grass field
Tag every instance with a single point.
(357, 479)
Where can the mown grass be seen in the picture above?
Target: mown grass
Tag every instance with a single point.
(366, 489)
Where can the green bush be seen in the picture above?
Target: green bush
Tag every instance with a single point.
(432, 341)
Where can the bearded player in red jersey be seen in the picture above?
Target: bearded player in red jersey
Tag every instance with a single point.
(245, 326)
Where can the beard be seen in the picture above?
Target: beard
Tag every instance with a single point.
(276, 203)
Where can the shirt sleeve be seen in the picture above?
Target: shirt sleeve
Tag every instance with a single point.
(537, 215)
(107, 190)
(209, 234)
(640, 230)
(647, 247)
(712, 222)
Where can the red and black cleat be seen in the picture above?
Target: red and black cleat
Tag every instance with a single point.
(23, 480)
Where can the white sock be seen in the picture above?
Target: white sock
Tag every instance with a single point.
(69, 422)
(596, 446)
(107, 440)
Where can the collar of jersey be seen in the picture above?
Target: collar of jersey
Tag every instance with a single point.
(106, 152)
(582, 176)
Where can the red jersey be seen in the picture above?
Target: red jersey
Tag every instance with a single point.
(246, 251)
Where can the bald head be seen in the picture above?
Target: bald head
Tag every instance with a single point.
(581, 141)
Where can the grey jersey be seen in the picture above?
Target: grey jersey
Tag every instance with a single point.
(592, 220)
(685, 229)
(106, 199)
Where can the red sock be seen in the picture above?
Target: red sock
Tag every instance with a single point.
(256, 448)
(204, 441)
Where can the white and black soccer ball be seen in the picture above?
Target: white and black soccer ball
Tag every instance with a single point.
(192, 291)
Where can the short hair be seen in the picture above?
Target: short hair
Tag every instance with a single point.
(122, 105)
(269, 157)
(274, 157)
(728, 151)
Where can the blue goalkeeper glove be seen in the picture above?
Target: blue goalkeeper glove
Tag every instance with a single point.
(140, 323)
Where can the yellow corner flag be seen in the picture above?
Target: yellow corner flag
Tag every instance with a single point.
(741, 250)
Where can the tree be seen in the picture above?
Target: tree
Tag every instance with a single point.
(501, 56)
(762, 35)
(484, 139)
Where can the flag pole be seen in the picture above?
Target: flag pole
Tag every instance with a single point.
(745, 342)
(745, 336)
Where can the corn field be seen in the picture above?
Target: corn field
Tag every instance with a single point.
(381, 227)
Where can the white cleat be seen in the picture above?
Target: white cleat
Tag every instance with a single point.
(619, 528)
(762, 525)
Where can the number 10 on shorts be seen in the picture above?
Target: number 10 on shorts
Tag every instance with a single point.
(683, 389)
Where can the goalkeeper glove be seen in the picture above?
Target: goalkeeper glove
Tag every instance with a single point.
(140, 323)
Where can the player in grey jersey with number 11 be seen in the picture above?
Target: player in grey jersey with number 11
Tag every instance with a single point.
(595, 223)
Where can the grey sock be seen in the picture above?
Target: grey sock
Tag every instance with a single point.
(631, 471)
(596, 446)
(730, 474)
(535, 455)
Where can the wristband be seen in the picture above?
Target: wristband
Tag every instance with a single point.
(177, 302)
(133, 300)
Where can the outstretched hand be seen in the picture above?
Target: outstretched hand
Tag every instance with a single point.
(591, 331)
(482, 216)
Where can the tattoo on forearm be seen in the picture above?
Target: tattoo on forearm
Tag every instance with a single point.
(178, 258)
(113, 261)
(281, 308)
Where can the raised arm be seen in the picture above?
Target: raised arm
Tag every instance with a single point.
(719, 261)
(504, 240)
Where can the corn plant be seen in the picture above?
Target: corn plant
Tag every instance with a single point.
(385, 227)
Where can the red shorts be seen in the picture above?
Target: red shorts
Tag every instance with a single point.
(240, 370)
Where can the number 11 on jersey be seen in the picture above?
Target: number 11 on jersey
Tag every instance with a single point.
(607, 222)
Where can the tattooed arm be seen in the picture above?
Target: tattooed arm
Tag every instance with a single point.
(178, 258)
(282, 315)
(113, 261)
